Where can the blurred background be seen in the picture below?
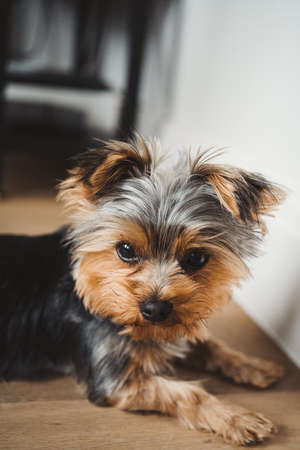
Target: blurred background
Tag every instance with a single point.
(221, 73)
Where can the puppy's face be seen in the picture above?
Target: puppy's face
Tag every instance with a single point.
(157, 251)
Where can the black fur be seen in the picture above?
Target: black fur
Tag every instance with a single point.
(43, 324)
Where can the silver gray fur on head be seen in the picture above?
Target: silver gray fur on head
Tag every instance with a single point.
(223, 203)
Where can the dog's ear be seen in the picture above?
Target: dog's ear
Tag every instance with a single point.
(248, 196)
(99, 171)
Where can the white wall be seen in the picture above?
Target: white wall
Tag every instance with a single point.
(238, 87)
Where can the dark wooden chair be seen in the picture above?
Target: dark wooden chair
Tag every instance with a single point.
(83, 76)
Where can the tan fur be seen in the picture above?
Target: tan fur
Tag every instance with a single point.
(225, 192)
(195, 408)
(122, 158)
(102, 279)
(74, 195)
(239, 367)
(224, 179)
(153, 358)
(144, 388)
(268, 201)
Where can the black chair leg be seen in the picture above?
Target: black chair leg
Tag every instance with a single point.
(139, 17)
(5, 10)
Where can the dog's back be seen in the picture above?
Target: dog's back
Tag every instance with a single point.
(34, 278)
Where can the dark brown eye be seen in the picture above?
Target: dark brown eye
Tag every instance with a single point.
(194, 260)
(126, 252)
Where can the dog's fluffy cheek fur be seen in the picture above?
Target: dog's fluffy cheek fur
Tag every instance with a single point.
(112, 288)
(102, 282)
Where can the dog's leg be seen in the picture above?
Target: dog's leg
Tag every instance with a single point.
(239, 367)
(193, 406)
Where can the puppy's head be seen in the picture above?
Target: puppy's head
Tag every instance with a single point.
(158, 251)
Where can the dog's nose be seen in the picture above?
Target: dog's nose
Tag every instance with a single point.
(156, 310)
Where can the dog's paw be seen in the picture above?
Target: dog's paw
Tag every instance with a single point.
(247, 428)
(234, 424)
(257, 372)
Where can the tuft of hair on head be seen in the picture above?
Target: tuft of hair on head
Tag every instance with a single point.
(98, 172)
(248, 196)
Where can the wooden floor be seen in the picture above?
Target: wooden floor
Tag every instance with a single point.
(55, 414)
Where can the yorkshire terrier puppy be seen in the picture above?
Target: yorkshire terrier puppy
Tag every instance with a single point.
(126, 289)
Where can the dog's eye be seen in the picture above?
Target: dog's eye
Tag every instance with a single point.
(126, 252)
(194, 260)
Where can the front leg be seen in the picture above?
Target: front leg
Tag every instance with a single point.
(193, 406)
(239, 367)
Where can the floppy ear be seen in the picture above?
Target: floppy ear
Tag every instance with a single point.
(98, 172)
(248, 196)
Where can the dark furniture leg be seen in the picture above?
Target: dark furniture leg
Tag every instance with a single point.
(138, 23)
(90, 25)
(4, 38)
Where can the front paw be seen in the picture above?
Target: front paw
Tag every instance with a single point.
(234, 424)
(257, 372)
(246, 428)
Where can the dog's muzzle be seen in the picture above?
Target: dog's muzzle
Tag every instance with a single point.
(156, 310)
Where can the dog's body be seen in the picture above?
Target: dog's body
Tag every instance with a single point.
(44, 326)
(122, 292)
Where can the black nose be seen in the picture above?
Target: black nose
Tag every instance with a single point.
(156, 310)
